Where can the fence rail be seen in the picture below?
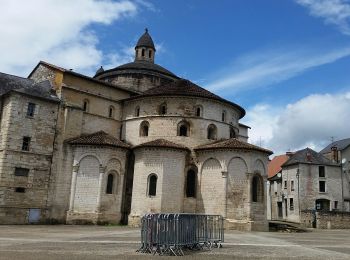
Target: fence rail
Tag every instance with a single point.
(172, 233)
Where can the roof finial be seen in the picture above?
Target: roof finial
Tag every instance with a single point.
(146, 30)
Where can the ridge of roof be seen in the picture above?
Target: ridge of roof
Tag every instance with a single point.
(98, 138)
(340, 144)
(145, 41)
(232, 143)
(308, 156)
(162, 143)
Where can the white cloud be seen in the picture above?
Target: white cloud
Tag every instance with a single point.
(55, 31)
(335, 12)
(267, 67)
(311, 121)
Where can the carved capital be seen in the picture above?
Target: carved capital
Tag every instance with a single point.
(102, 169)
(224, 174)
(76, 168)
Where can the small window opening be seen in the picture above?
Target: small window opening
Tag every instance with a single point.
(137, 111)
(335, 204)
(31, 109)
(111, 112)
(257, 189)
(162, 109)
(322, 186)
(26, 143)
(198, 111)
(144, 128)
(150, 54)
(232, 133)
(191, 184)
(291, 204)
(143, 52)
(223, 116)
(21, 171)
(86, 105)
(292, 185)
(110, 180)
(212, 132)
(285, 184)
(321, 172)
(20, 190)
(183, 130)
(152, 185)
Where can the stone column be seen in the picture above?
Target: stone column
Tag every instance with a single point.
(249, 194)
(100, 188)
(224, 176)
(73, 187)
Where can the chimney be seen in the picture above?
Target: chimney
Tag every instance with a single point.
(334, 150)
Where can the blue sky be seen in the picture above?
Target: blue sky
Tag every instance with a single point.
(280, 60)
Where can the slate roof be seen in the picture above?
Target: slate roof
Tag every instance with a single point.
(183, 87)
(340, 144)
(145, 41)
(26, 86)
(99, 138)
(162, 143)
(136, 67)
(275, 164)
(308, 156)
(232, 143)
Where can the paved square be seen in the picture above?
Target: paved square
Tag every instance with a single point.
(113, 242)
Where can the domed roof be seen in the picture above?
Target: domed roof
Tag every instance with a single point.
(145, 41)
(136, 67)
(183, 87)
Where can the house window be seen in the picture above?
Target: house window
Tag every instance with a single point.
(137, 111)
(291, 185)
(321, 172)
(191, 184)
(257, 189)
(21, 171)
(144, 127)
(162, 109)
(20, 190)
(31, 109)
(285, 184)
(111, 112)
(110, 180)
(322, 186)
(335, 204)
(152, 185)
(212, 131)
(223, 116)
(183, 129)
(86, 105)
(291, 204)
(26, 143)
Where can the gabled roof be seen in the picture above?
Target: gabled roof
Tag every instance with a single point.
(340, 144)
(99, 138)
(232, 143)
(145, 41)
(26, 86)
(275, 164)
(71, 72)
(183, 87)
(308, 156)
(162, 143)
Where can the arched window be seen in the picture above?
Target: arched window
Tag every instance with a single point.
(163, 109)
(144, 127)
(183, 128)
(143, 52)
(191, 184)
(152, 185)
(198, 111)
(212, 132)
(137, 111)
(86, 105)
(257, 189)
(137, 53)
(150, 54)
(110, 180)
(111, 112)
(223, 116)
(232, 132)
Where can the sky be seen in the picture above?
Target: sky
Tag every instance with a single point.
(286, 62)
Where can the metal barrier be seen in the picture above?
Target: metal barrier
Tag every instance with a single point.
(172, 233)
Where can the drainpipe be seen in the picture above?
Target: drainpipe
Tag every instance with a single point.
(298, 178)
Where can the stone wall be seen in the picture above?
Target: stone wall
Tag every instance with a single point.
(326, 219)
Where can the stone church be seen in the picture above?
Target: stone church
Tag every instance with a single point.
(130, 140)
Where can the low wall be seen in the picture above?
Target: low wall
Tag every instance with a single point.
(326, 219)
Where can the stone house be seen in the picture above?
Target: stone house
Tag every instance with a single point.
(130, 140)
(307, 181)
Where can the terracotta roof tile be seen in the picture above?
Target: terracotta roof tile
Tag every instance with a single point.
(162, 143)
(98, 138)
(232, 143)
(275, 164)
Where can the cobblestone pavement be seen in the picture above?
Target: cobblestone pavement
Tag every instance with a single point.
(111, 242)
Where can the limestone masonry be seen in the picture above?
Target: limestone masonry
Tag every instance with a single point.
(130, 140)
